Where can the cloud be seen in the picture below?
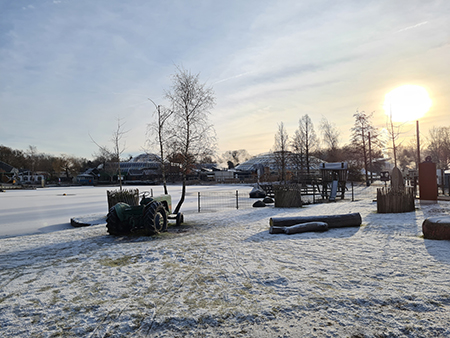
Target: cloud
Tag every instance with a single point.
(412, 27)
(76, 67)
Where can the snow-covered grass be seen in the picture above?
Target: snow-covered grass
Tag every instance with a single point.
(223, 274)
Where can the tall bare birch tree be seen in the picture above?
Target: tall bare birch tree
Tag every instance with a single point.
(194, 137)
(162, 136)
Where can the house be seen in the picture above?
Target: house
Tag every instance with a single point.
(8, 174)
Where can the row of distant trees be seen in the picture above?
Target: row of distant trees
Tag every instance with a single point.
(34, 161)
(364, 150)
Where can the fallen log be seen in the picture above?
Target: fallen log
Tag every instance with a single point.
(333, 221)
(299, 228)
(305, 227)
(276, 230)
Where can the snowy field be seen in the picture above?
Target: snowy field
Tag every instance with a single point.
(220, 274)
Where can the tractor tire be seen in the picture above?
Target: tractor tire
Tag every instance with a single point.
(114, 225)
(179, 219)
(155, 218)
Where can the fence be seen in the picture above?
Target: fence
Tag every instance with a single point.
(213, 201)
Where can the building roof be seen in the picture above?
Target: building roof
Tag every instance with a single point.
(6, 168)
(269, 160)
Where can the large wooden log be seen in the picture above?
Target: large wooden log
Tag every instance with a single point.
(333, 221)
(276, 230)
(436, 228)
(299, 228)
(305, 227)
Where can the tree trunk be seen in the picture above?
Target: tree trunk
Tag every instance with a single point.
(333, 221)
(299, 228)
(183, 194)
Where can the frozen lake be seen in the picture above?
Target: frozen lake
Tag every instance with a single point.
(24, 212)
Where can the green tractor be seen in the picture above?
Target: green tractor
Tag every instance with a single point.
(148, 218)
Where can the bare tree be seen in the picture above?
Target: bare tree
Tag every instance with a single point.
(162, 137)
(194, 136)
(33, 157)
(439, 146)
(118, 147)
(235, 157)
(305, 141)
(330, 137)
(281, 150)
(68, 164)
(363, 132)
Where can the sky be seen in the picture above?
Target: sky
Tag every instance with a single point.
(70, 69)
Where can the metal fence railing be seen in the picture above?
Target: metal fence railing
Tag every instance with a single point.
(214, 201)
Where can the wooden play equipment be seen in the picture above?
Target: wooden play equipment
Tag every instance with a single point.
(334, 180)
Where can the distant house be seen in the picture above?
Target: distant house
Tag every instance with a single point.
(267, 167)
(144, 167)
(8, 173)
(33, 177)
(89, 177)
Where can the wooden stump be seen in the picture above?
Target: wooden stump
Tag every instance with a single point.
(436, 228)
(287, 196)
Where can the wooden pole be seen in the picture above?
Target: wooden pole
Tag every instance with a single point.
(418, 146)
(370, 160)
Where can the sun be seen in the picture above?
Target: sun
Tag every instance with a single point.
(407, 103)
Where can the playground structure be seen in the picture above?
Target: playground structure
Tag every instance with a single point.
(334, 180)
(329, 185)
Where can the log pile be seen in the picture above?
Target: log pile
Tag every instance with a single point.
(291, 225)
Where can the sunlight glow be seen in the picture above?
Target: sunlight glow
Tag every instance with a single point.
(407, 103)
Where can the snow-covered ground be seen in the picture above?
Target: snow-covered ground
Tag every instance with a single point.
(221, 274)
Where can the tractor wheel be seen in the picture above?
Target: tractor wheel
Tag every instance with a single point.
(155, 219)
(114, 225)
(179, 219)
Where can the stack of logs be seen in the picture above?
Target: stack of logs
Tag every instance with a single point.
(294, 225)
